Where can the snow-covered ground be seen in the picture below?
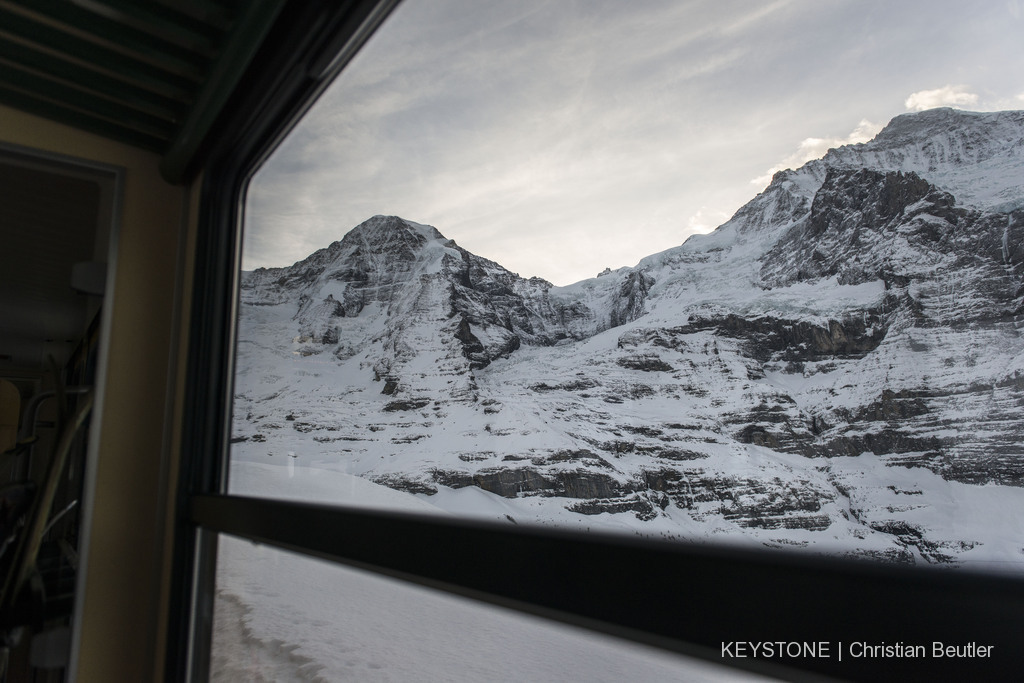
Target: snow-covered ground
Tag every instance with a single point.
(283, 617)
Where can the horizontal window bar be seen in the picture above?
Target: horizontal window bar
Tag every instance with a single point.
(719, 603)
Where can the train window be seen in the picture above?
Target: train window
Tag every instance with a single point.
(425, 314)
(707, 273)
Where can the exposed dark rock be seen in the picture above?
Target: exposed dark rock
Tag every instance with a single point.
(632, 293)
(644, 431)
(619, 447)
(891, 556)
(471, 346)
(407, 483)
(678, 454)
(410, 404)
(581, 384)
(641, 507)
(665, 480)
(758, 436)
(579, 455)
(853, 218)
(809, 522)
(412, 438)
(895, 406)
(645, 364)
(518, 481)
(796, 340)
(585, 484)
(884, 441)
(475, 457)
(769, 504)
(635, 391)
(506, 482)
(899, 528)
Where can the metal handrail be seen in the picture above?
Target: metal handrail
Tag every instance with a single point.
(30, 416)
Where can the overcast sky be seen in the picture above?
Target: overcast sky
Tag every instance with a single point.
(562, 137)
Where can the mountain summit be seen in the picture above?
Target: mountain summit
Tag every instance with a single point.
(838, 366)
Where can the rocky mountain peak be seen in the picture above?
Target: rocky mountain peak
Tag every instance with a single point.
(945, 121)
(390, 234)
(862, 225)
(977, 156)
(876, 197)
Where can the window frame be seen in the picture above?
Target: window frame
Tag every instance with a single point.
(310, 42)
(636, 589)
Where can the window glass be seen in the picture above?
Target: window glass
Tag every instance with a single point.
(695, 270)
(285, 617)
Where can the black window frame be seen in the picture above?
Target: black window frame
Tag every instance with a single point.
(691, 599)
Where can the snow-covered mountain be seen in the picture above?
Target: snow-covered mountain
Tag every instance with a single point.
(839, 366)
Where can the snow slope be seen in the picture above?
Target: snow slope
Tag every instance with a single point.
(836, 368)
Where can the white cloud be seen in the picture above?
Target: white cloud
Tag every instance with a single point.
(815, 148)
(754, 19)
(706, 220)
(946, 96)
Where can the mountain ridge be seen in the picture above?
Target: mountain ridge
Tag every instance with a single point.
(847, 341)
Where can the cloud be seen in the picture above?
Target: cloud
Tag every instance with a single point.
(815, 148)
(755, 18)
(946, 96)
(706, 220)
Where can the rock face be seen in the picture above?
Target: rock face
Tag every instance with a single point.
(838, 366)
(406, 272)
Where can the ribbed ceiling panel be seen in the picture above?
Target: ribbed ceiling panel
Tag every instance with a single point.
(135, 71)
